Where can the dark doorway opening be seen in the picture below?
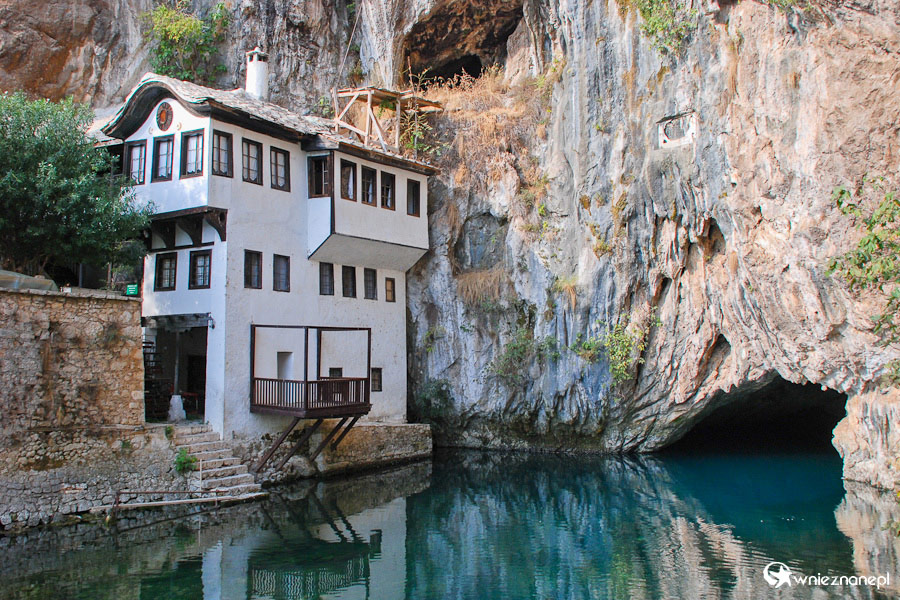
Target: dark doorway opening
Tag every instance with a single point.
(780, 417)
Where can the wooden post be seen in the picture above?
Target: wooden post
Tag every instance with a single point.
(369, 116)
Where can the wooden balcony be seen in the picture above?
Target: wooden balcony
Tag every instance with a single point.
(321, 399)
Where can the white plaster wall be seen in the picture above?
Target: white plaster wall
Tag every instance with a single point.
(377, 223)
(346, 350)
(178, 193)
(319, 227)
(277, 222)
(271, 341)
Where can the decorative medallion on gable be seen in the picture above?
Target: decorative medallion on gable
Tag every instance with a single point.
(164, 116)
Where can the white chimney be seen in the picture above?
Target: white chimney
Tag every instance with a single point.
(257, 74)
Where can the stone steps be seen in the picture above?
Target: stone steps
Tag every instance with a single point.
(219, 469)
(226, 482)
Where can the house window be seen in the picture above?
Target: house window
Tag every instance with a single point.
(413, 191)
(163, 149)
(370, 284)
(349, 281)
(252, 269)
(200, 264)
(281, 173)
(387, 190)
(348, 180)
(319, 177)
(389, 284)
(251, 152)
(368, 185)
(376, 379)
(191, 153)
(335, 372)
(281, 273)
(166, 265)
(221, 155)
(326, 279)
(136, 160)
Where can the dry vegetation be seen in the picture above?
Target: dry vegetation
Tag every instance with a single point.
(488, 128)
(476, 287)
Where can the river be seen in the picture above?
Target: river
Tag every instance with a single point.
(473, 525)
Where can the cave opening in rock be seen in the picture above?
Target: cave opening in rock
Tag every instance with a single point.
(779, 417)
(461, 36)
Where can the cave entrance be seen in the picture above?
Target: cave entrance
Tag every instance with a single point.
(469, 64)
(780, 417)
(459, 37)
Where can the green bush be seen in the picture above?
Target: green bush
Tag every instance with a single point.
(512, 364)
(666, 22)
(588, 349)
(623, 349)
(185, 45)
(875, 262)
(184, 462)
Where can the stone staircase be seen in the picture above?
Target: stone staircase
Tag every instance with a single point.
(217, 468)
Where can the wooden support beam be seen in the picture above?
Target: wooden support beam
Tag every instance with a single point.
(265, 458)
(306, 435)
(334, 444)
(327, 439)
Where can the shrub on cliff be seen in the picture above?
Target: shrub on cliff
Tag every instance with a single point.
(58, 203)
(185, 45)
(875, 262)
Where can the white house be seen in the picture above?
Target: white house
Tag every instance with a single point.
(274, 286)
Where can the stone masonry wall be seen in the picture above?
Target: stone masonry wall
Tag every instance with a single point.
(71, 406)
(68, 361)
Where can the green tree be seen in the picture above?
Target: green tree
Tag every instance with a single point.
(184, 45)
(875, 262)
(58, 203)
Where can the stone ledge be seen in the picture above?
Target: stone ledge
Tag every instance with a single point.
(79, 293)
(369, 445)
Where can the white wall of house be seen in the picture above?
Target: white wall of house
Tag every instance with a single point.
(272, 222)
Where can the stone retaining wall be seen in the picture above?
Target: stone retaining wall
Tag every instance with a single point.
(68, 360)
(366, 446)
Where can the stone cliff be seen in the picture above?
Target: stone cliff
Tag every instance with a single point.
(594, 181)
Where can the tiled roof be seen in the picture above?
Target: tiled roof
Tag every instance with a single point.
(239, 101)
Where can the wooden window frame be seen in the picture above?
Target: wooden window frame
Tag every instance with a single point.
(158, 269)
(335, 373)
(245, 170)
(352, 166)
(324, 268)
(273, 168)
(196, 254)
(390, 292)
(248, 274)
(129, 148)
(185, 137)
(311, 179)
(157, 141)
(229, 158)
(410, 183)
(393, 188)
(345, 271)
(363, 171)
(379, 380)
(370, 276)
(287, 260)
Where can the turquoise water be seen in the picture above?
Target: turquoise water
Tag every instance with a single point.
(491, 525)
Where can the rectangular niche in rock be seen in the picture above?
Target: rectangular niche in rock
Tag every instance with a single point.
(677, 130)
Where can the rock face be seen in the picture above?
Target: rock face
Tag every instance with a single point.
(868, 439)
(686, 195)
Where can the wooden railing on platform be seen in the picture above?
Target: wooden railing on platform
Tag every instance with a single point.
(309, 399)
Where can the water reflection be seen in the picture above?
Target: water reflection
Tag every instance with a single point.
(488, 525)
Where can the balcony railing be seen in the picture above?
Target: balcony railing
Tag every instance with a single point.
(324, 398)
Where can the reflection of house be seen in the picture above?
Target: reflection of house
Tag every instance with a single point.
(264, 217)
